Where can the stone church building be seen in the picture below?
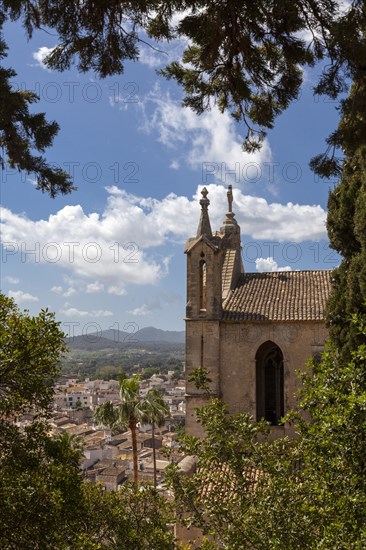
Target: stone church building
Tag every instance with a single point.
(251, 331)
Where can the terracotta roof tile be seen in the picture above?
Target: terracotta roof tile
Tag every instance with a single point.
(219, 481)
(279, 296)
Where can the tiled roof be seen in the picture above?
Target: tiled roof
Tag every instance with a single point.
(279, 296)
(113, 471)
(220, 482)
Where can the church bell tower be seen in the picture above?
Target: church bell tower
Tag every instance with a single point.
(213, 266)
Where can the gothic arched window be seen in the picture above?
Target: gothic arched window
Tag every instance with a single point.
(202, 284)
(269, 383)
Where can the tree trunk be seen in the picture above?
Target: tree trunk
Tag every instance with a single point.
(134, 451)
(154, 451)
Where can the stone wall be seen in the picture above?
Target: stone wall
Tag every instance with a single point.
(229, 354)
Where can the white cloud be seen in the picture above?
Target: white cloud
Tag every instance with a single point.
(66, 293)
(156, 303)
(82, 286)
(164, 52)
(117, 291)
(151, 57)
(214, 145)
(115, 248)
(19, 296)
(57, 289)
(174, 165)
(281, 222)
(74, 312)
(269, 264)
(40, 54)
(95, 287)
(176, 217)
(140, 311)
(12, 280)
(69, 292)
(109, 248)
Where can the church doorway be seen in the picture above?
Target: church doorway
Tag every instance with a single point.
(269, 383)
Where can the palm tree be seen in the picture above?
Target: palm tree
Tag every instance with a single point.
(127, 413)
(156, 410)
(131, 410)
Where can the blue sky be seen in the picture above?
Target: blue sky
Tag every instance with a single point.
(111, 253)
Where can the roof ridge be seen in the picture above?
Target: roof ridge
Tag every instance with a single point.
(287, 271)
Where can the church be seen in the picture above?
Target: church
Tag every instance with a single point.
(251, 331)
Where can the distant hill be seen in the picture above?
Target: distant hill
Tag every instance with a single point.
(147, 334)
(113, 339)
(151, 334)
(91, 343)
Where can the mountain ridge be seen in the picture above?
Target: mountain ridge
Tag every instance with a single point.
(113, 338)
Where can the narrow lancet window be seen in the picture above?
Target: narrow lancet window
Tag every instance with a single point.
(203, 285)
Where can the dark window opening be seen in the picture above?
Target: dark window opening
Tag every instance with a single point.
(270, 383)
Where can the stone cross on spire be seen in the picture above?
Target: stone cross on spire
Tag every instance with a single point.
(230, 198)
(204, 226)
(230, 216)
